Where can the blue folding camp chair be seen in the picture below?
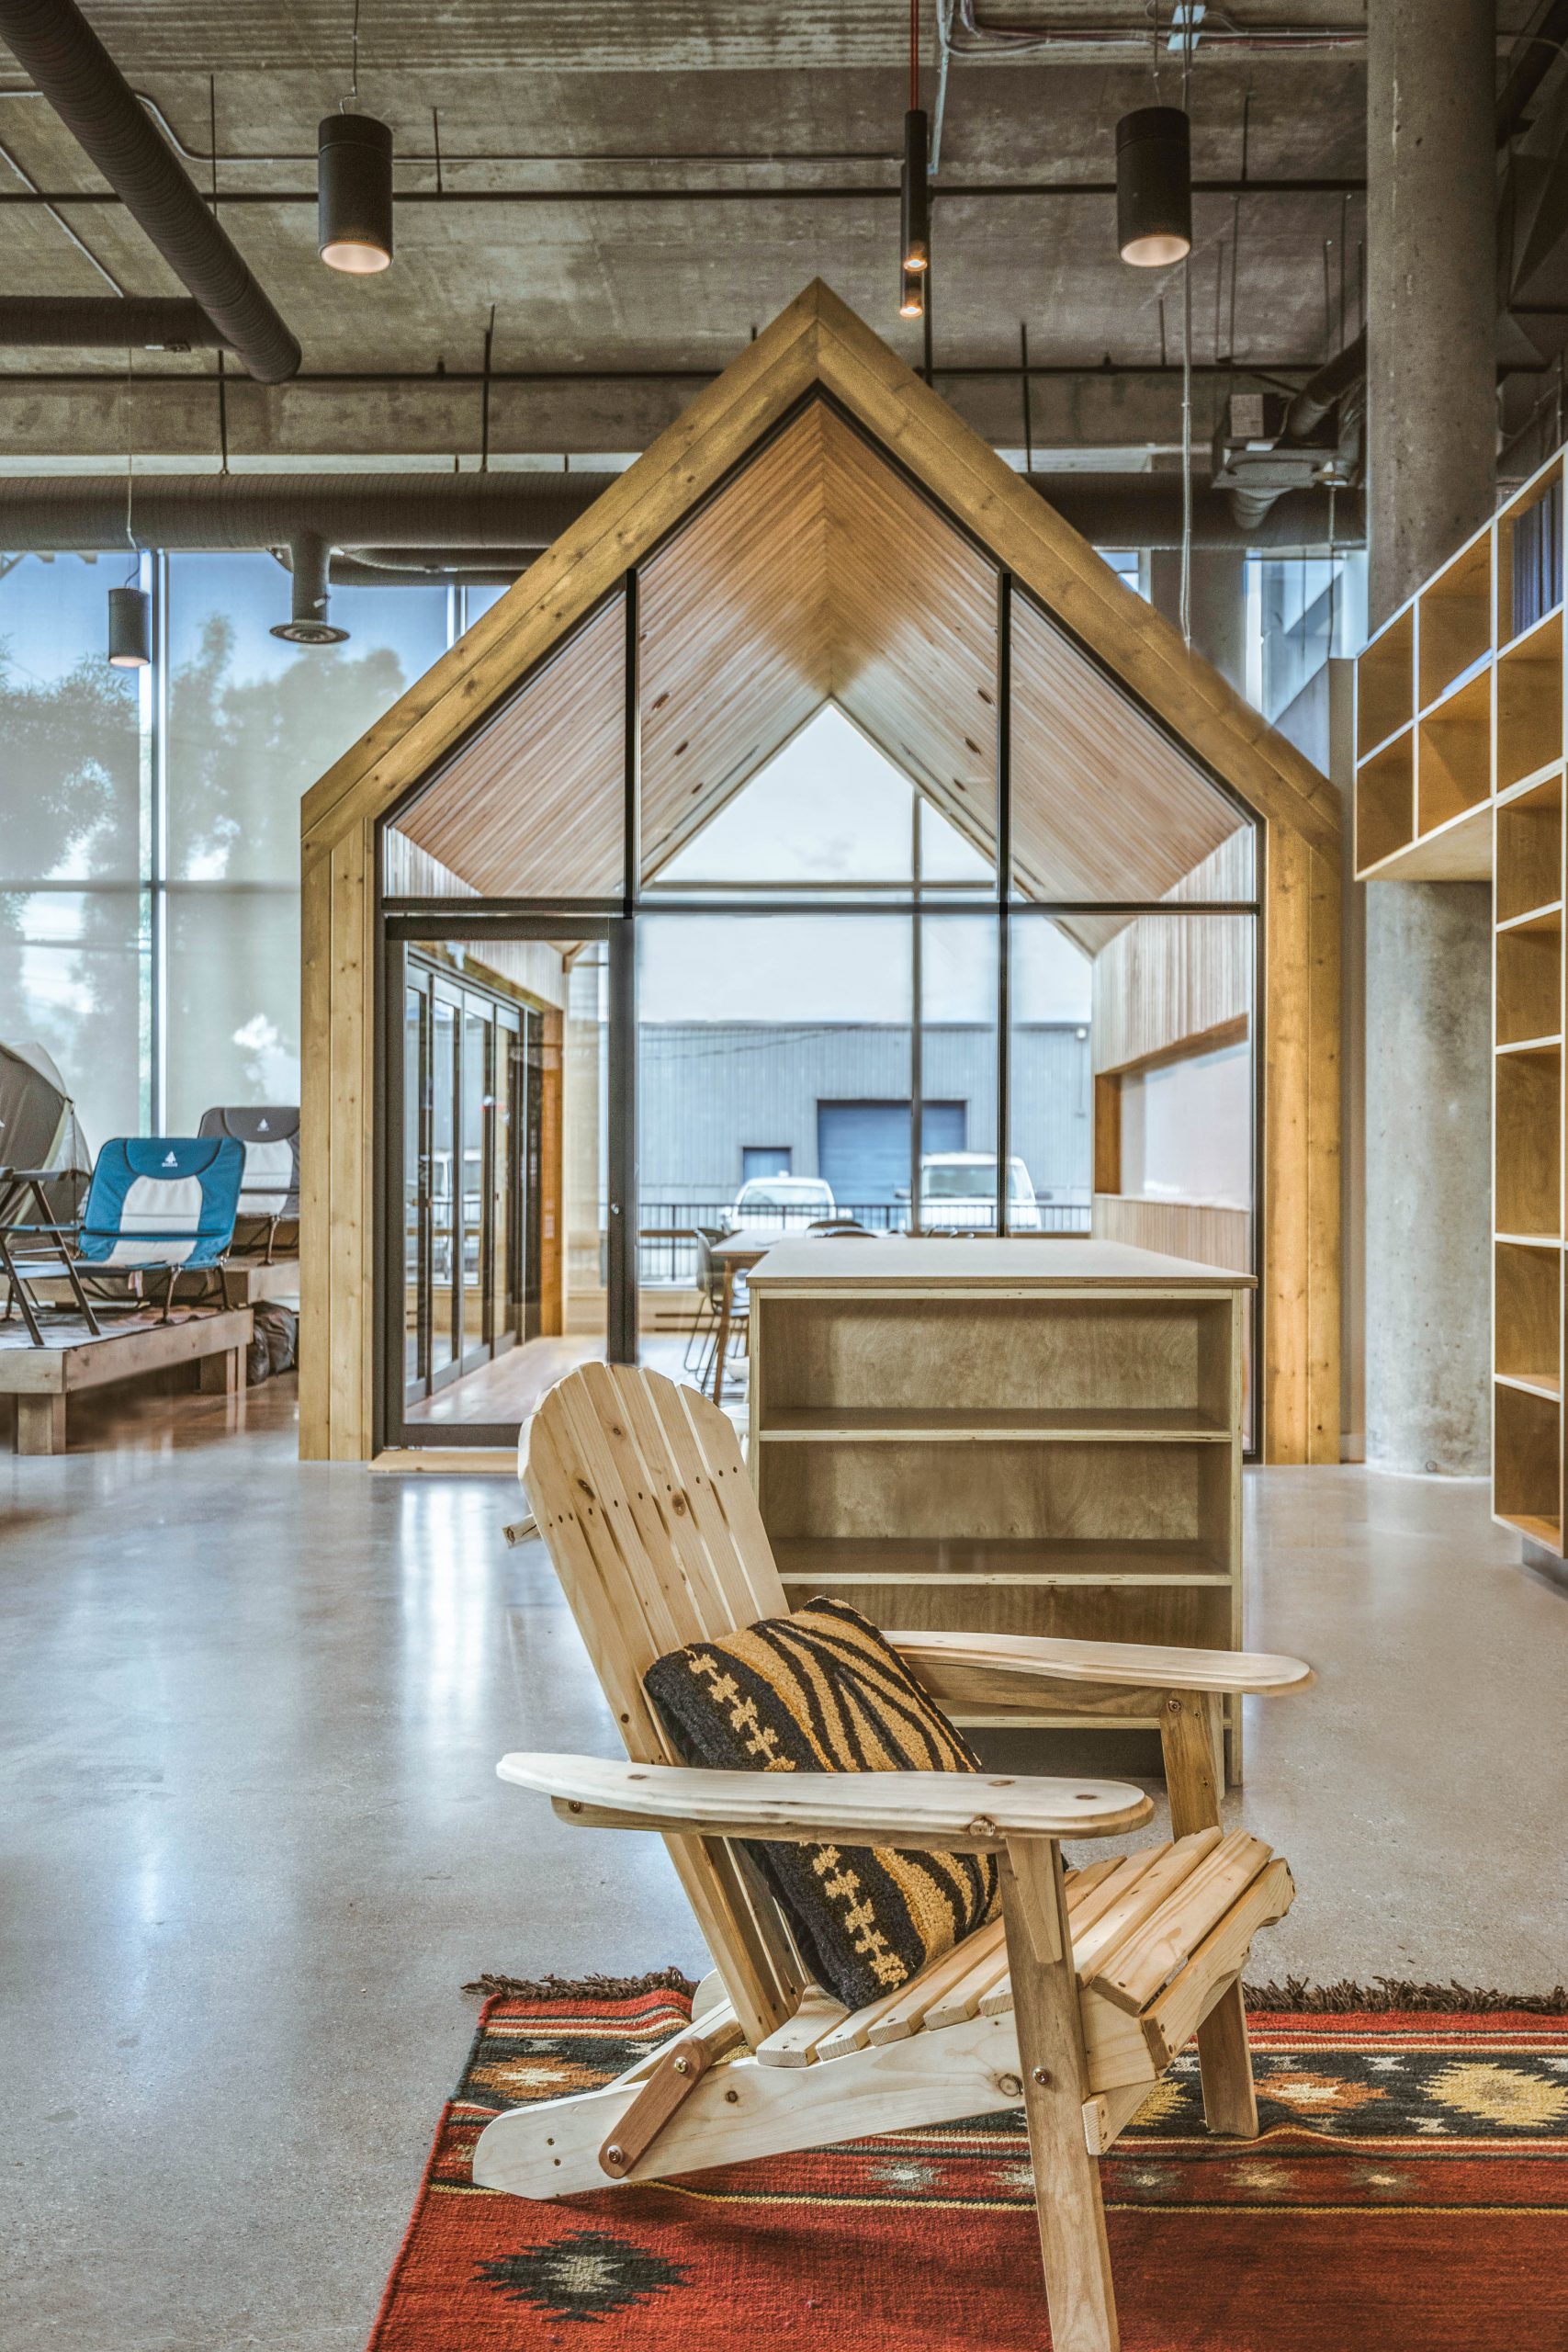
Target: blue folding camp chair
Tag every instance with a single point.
(162, 1200)
(156, 1203)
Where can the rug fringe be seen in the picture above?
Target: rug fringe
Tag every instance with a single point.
(1296, 1996)
(582, 1988)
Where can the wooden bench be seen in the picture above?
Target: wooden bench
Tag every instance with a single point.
(41, 1379)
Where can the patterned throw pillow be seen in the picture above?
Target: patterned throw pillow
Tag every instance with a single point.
(820, 1690)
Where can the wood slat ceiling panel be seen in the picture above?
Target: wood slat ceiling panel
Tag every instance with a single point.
(914, 638)
(1103, 805)
(734, 636)
(532, 808)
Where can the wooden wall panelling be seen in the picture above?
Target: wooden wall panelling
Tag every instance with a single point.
(552, 1169)
(734, 626)
(532, 805)
(318, 1008)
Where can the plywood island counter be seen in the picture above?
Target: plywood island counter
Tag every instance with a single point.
(1005, 1436)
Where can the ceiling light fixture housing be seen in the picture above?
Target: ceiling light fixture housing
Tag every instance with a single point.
(915, 213)
(354, 194)
(1153, 186)
(130, 628)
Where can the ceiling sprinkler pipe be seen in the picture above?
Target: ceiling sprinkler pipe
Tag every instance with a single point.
(509, 513)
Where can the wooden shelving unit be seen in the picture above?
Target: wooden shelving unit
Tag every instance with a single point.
(1460, 748)
(1020, 1437)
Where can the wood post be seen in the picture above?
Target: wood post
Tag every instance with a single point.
(1050, 2044)
(223, 1375)
(1190, 1739)
(41, 1424)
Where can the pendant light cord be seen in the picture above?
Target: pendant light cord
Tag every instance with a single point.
(1186, 374)
(914, 54)
(353, 62)
(130, 474)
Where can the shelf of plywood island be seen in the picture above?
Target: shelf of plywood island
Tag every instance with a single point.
(954, 1425)
(1531, 1045)
(941, 1559)
(1546, 1532)
(1458, 850)
(1531, 1240)
(1534, 1383)
(1532, 914)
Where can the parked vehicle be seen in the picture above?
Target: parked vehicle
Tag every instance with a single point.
(766, 1203)
(958, 1193)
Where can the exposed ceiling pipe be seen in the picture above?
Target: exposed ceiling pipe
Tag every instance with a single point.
(509, 511)
(54, 43)
(1145, 510)
(102, 322)
(421, 566)
(437, 520)
(1340, 381)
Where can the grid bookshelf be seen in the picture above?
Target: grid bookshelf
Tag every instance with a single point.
(1459, 771)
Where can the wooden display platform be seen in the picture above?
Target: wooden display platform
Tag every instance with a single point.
(1006, 1437)
(41, 1379)
(252, 1282)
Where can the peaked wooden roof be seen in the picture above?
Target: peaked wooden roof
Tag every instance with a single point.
(820, 573)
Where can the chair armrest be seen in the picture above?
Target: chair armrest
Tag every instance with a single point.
(965, 1812)
(973, 1668)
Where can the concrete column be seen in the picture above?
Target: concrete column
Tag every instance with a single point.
(1218, 604)
(1431, 450)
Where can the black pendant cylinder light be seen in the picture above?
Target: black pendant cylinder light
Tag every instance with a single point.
(354, 194)
(915, 216)
(130, 628)
(1153, 186)
(912, 300)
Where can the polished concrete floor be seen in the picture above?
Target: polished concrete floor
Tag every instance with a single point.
(254, 1843)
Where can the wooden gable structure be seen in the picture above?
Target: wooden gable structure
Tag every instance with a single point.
(853, 555)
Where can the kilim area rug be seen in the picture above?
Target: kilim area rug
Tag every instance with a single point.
(1408, 2194)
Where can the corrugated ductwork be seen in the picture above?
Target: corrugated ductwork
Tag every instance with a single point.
(518, 513)
(214, 511)
(103, 323)
(53, 42)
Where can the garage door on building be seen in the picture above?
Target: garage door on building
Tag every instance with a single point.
(862, 1149)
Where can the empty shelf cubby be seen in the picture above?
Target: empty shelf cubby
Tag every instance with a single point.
(1454, 758)
(1386, 802)
(1386, 684)
(1527, 1314)
(1528, 1142)
(1526, 1463)
(1529, 851)
(1529, 980)
(1455, 620)
(1529, 554)
(1529, 704)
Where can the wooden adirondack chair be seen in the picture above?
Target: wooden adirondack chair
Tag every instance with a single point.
(1072, 2005)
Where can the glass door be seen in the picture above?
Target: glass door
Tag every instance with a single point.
(507, 1226)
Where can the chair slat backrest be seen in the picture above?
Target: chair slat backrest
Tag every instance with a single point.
(642, 1498)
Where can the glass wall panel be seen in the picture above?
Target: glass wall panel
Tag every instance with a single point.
(775, 1085)
(232, 992)
(1050, 975)
(254, 721)
(1171, 1032)
(956, 968)
(74, 923)
(72, 977)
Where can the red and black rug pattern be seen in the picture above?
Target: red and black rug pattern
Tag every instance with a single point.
(1408, 2193)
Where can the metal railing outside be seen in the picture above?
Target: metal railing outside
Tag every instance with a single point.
(667, 1237)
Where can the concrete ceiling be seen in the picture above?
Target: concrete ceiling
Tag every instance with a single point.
(676, 173)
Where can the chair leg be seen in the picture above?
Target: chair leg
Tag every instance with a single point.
(1190, 1738)
(1073, 2248)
